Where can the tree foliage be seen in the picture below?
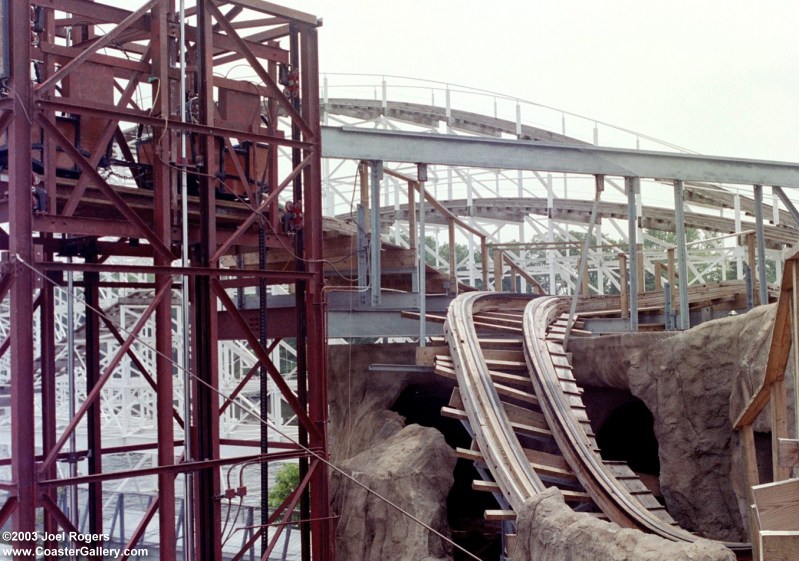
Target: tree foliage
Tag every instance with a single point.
(286, 480)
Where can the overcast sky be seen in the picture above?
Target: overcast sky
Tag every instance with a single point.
(718, 77)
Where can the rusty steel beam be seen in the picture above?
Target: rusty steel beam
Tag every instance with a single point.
(106, 39)
(208, 522)
(105, 138)
(142, 117)
(269, 200)
(288, 505)
(33, 247)
(164, 397)
(87, 9)
(52, 508)
(119, 203)
(174, 469)
(48, 385)
(94, 390)
(263, 358)
(7, 510)
(278, 277)
(323, 542)
(244, 49)
(289, 509)
(23, 471)
(138, 363)
(229, 400)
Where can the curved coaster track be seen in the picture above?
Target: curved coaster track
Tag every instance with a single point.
(518, 398)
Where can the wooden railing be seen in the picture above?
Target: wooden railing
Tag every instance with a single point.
(501, 258)
(453, 222)
(774, 506)
(665, 270)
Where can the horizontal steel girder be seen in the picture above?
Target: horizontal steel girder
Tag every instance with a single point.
(391, 146)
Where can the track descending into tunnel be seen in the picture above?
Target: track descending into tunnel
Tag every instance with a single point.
(523, 407)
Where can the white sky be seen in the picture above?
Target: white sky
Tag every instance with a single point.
(718, 77)
(715, 76)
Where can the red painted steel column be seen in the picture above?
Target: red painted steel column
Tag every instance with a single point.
(300, 301)
(322, 536)
(47, 360)
(209, 520)
(163, 313)
(94, 414)
(21, 297)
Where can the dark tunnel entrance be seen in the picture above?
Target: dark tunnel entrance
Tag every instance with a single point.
(627, 434)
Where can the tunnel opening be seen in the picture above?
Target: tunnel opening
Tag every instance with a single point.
(628, 435)
(624, 429)
(421, 404)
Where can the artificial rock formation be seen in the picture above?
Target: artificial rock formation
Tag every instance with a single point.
(548, 530)
(688, 381)
(412, 466)
(413, 469)
(694, 383)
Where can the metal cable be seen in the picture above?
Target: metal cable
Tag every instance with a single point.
(244, 406)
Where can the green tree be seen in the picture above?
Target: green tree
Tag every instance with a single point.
(286, 480)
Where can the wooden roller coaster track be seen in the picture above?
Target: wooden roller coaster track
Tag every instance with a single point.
(520, 401)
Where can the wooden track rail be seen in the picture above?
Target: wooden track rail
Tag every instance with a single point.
(518, 398)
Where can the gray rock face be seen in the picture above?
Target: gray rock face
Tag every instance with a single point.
(413, 469)
(359, 400)
(411, 466)
(694, 383)
(548, 530)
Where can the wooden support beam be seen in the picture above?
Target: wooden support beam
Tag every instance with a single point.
(426, 356)
(453, 260)
(452, 413)
(751, 475)
(788, 452)
(779, 428)
(779, 546)
(485, 486)
(363, 177)
(510, 545)
(778, 505)
(672, 274)
(499, 515)
(624, 290)
(792, 268)
(471, 455)
(585, 289)
(659, 267)
(497, 270)
(779, 350)
(412, 216)
(754, 533)
(484, 260)
(640, 266)
(750, 260)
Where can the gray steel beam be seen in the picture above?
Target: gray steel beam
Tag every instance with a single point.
(762, 283)
(582, 269)
(393, 146)
(376, 175)
(421, 250)
(633, 184)
(787, 202)
(363, 248)
(682, 256)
